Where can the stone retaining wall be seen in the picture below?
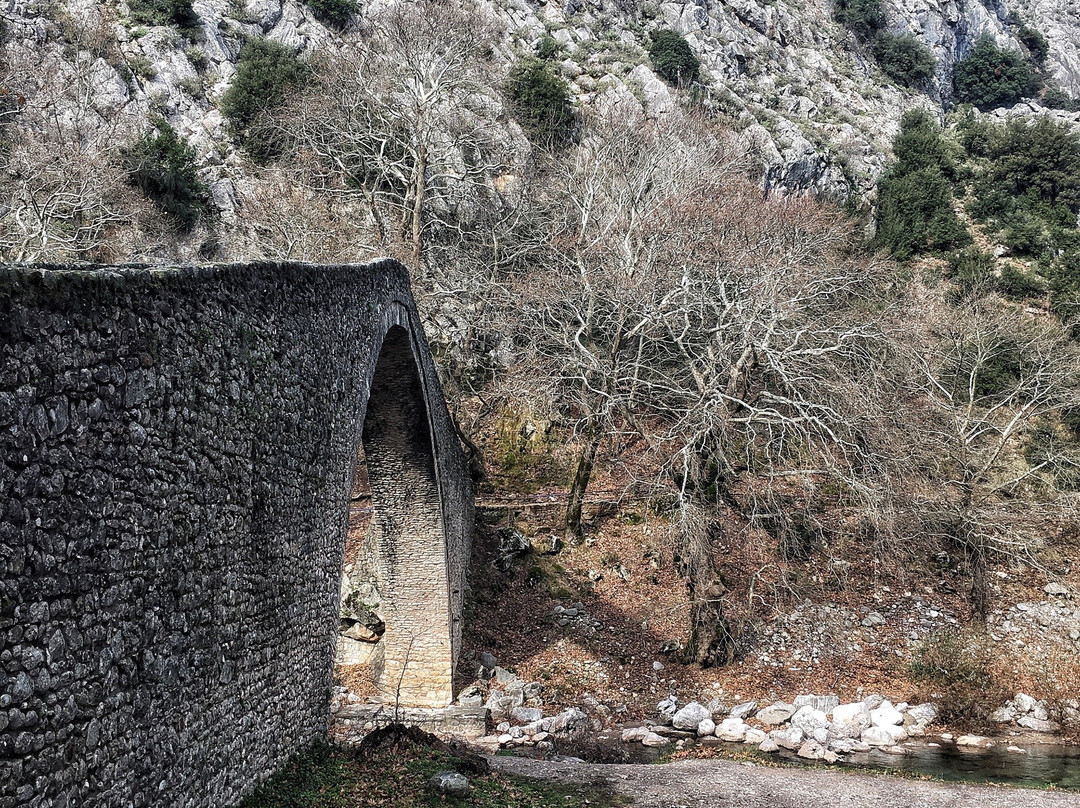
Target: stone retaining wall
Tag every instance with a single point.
(176, 451)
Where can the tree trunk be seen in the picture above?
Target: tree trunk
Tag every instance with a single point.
(710, 643)
(978, 564)
(472, 453)
(418, 206)
(582, 475)
(975, 552)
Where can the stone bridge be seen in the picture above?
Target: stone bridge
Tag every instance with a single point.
(177, 450)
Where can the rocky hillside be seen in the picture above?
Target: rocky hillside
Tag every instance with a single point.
(806, 93)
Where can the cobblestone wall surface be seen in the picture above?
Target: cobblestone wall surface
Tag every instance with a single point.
(176, 451)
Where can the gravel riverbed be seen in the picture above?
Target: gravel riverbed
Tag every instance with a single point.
(713, 783)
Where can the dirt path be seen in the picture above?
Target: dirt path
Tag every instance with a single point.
(726, 784)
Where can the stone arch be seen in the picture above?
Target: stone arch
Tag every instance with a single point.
(176, 447)
(403, 566)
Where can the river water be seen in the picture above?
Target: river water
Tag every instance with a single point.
(1039, 766)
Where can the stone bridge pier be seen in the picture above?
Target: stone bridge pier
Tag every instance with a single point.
(177, 451)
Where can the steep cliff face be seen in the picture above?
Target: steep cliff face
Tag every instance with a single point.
(814, 107)
(949, 29)
(1059, 21)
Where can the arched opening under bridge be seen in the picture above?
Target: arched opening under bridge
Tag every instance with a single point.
(395, 630)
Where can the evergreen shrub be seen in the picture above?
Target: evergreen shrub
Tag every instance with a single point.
(901, 57)
(1056, 98)
(540, 100)
(915, 214)
(266, 72)
(971, 267)
(179, 13)
(548, 47)
(991, 77)
(864, 18)
(904, 59)
(1017, 285)
(915, 211)
(333, 12)
(672, 58)
(1064, 276)
(1033, 40)
(162, 165)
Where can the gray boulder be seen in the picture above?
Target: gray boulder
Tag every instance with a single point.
(849, 720)
(507, 679)
(1038, 724)
(790, 738)
(500, 705)
(1004, 714)
(570, 721)
(808, 719)
(923, 713)
(717, 709)
(450, 784)
(886, 715)
(666, 710)
(731, 729)
(754, 735)
(652, 739)
(1023, 703)
(883, 736)
(634, 734)
(744, 710)
(512, 543)
(525, 715)
(776, 713)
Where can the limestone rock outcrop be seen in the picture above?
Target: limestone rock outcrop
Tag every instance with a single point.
(809, 102)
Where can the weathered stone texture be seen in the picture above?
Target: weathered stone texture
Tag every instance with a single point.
(176, 452)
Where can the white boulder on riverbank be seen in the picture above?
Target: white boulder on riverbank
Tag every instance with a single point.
(775, 714)
(689, 718)
(886, 715)
(809, 725)
(849, 720)
(732, 729)
(1026, 712)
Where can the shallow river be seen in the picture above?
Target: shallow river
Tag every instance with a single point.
(1040, 766)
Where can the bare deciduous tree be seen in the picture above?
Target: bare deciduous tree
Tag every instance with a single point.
(407, 119)
(599, 285)
(64, 194)
(987, 373)
(287, 219)
(731, 332)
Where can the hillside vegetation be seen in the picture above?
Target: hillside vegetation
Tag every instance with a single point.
(799, 432)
